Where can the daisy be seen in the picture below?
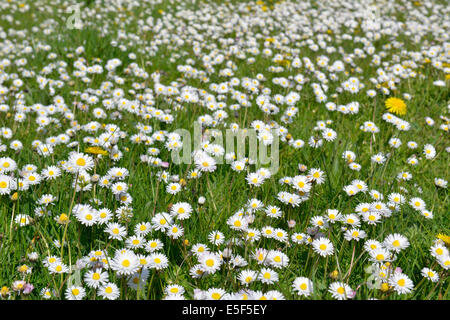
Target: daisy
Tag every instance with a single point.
(254, 179)
(158, 261)
(247, 276)
(104, 215)
(340, 291)
(205, 163)
(216, 237)
(360, 185)
(273, 212)
(395, 142)
(430, 274)
(351, 190)
(138, 279)
(427, 214)
(22, 220)
(396, 242)
(175, 231)
(95, 278)
(412, 144)
(115, 231)
(267, 232)
(237, 222)
(215, 294)
(135, 242)
(371, 245)
(444, 261)
(75, 293)
(153, 245)
(125, 262)
(354, 166)
(429, 151)
(109, 291)
(371, 217)
(329, 134)
(441, 183)
(174, 289)
(298, 238)
(319, 221)
(87, 217)
(261, 255)
(46, 293)
(316, 175)
(380, 255)
(268, 276)
(199, 248)
(351, 219)
(58, 267)
(254, 204)
(401, 283)
(143, 228)
(333, 215)
(439, 250)
(277, 259)
(6, 184)
(181, 210)
(417, 203)
(80, 161)
(161, 221)
(7, 165)
(118, 188)
(303, 286)
(50, 260)
(289, 198)
(378, 158)
(396, 198)
(301, 183)
(173, 188)
(323, 246)
(280, 235)
(51, 173)
(354, 234)
(210, 262)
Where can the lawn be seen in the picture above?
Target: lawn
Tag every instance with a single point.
(121, 169)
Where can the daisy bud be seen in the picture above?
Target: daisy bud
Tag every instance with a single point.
(291, 223)
(4, 291)
(164, 164)
(15, 196)
(352, 294)
(182, 182)
(95, 178)
(186, 242)
(27, 288)
(227, 252)
(384, 287)
(334, 275)
(201, 200)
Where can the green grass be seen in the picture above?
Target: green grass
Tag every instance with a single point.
(226, 191)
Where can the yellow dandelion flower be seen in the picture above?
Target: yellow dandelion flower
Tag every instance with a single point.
(444, 238)
(396, 105)
(96, 150)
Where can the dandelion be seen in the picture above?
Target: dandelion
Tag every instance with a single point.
(396, 105)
